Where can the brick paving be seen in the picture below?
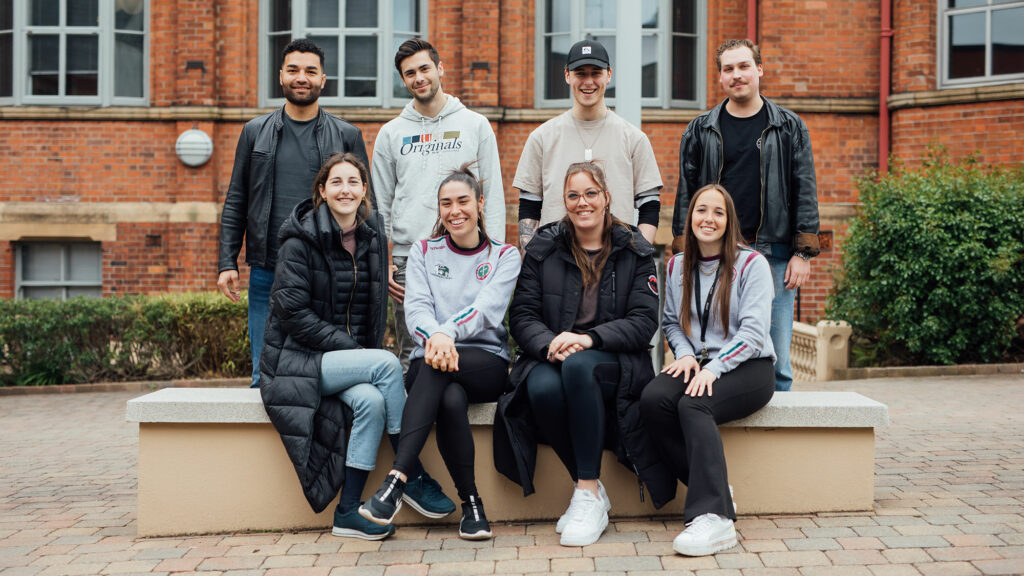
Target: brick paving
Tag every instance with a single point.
(949, 500)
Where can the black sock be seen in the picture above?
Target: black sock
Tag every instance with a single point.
(352, 491)
(417, 468)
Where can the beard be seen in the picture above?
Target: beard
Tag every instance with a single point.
(311, 97)
(428, 97)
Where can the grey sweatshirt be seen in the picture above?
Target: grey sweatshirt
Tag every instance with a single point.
(413, 154)
(750, 313)
(461, 293)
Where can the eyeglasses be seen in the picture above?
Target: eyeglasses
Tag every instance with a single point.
(590, 195)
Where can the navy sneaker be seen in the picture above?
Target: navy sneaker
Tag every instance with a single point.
(425, 495)
(351, 525)
(382, 506)
(474, 524)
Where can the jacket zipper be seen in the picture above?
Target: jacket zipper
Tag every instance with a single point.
(760, 171)
(352, 295)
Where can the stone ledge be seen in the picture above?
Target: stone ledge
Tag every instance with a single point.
(244, 406)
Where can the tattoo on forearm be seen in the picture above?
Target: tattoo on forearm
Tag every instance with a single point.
(527, 228)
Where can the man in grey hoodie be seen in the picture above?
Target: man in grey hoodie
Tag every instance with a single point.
(433, 136)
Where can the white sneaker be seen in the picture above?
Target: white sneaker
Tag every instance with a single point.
(588, 520)
(707, 534)
(732, 497)
(564, 518)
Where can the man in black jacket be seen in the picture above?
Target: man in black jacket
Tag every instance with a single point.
(761, 153)
(277, 158)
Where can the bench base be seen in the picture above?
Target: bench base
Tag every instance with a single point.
(197, 478)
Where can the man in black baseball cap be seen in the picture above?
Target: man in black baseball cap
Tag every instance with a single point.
(588, 132)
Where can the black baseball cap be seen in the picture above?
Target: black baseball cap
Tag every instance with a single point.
(587, 52)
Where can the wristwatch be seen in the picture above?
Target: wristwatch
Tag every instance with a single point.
(802, 254)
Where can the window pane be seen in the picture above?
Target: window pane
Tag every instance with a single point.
(130, 15)
(277, 44)
(609, 44)
(649, 13)
(128, 65)
(557, 49)
(82, 65)
(40, 293)
(322, 14)
(6, 65)
(83, 13)
(398, 89)
(967, 45)
(1008, 41)
(87, 291)
(41, 262)
(361, 66)
(684, 78)
(6, 14)
(684, 16)
(649, 71)
(329, 44)
(361, 14)
(407, 16)
(44, 57)
(84, 263)
(280, 18)
(966, 3)
(44, 13)
(558, 19)
(600, 14)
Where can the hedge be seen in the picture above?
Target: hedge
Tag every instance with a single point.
(933, 265)
(122, 338)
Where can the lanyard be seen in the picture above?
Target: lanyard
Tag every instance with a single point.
(704, 317)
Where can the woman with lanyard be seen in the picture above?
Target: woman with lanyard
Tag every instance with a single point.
(584, 312)
(458, 285)
(716, 319)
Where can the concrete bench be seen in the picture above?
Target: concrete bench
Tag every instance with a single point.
(210, 461)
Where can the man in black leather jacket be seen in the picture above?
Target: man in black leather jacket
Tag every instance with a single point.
(277, 158)
(761, 153)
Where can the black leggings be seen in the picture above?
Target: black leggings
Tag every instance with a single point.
(444, 397)
(685, 429)
(569, 401)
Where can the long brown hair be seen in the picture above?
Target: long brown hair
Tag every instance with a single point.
(726, 263)
(363, 212)
(465, 175)
(590, 269)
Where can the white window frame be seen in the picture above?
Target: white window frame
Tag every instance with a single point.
(106, 53)
(384, 33)
(577, 31)
(943, 13)
(20, 284)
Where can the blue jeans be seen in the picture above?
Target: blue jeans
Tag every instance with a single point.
(778, 255)
(261, 280)
(370, 382)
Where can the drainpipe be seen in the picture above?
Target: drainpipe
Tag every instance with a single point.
(752, 20)
(884, 82)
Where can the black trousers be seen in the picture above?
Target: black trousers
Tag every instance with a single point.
(444, 397)
(569, 402)
(685, 429)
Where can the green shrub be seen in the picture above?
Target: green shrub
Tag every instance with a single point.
(122, 338)
(932, 265)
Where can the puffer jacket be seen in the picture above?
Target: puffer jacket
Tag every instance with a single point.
(546, 303)
(314, 309)
(789, 190)
(247, 204)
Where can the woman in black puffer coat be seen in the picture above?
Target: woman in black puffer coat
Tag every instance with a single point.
(584, 311)
(322, 365)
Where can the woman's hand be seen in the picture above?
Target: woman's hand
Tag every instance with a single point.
(687, 366)
(703, 380)
(440, 353)
(568, 343)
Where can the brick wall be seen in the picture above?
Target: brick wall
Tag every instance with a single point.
(991, 130)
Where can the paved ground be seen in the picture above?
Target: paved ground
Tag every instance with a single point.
(949, 500)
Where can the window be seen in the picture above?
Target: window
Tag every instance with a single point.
(981, 42)
(671, 48)
(67, 52)
(58, 270)
(359, 39)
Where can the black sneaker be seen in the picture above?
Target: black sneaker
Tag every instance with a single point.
(382, 506)
(474, 524)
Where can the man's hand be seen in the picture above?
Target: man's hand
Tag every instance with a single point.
(648, 231)
(227, 283)
(797, 272)
(396, 290)
(440, 353)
